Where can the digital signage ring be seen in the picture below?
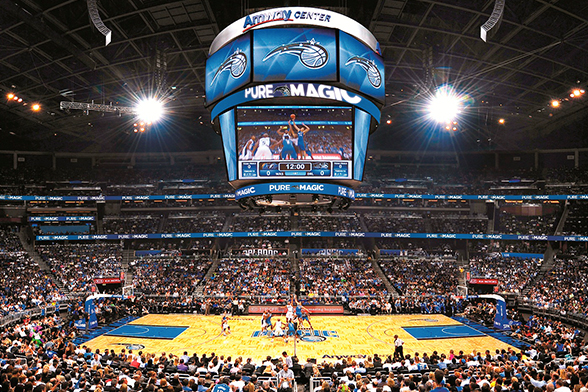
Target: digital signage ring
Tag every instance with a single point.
(295, 141)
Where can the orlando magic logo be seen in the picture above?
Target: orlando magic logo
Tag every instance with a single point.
(131, 346)
(373, 73)
(235, 64)
(284, 90)
(310, 53)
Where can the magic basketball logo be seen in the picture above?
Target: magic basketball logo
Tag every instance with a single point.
(310, 53)
(131, 346)
(236, 64)
(305, 334)
(369, 66)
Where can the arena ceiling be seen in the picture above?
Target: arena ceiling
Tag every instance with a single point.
(50, 52)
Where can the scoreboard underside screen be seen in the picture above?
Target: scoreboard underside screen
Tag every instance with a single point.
(295, 142)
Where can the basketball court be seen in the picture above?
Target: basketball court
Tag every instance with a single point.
(344, 336)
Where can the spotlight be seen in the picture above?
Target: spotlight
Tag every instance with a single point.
(501, 121)
(135, 130)
(14, 97)
(149, 110)
(576, 93)
(36, 107)
(388, 122)
(555, 103)
(20, 100)
(444, 106)
(10, 96)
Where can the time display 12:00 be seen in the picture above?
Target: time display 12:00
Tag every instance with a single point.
(295, 166)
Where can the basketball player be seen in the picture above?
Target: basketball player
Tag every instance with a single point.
(290, 311)
(225, 325)
(302, 314)
(268, 320)
(288, 149)
(263, 147)
(299, 135)
(264, 321)
(247, 152)
(278, 330)
(304, 317)
(292, 327)
(288, 144)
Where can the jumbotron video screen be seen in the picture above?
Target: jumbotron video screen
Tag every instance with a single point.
(295, 142)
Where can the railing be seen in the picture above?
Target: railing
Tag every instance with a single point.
(32, 312)
(578, 319)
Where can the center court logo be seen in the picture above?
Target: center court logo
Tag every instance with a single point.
(306, 335)
(310, 53)
(235, 64)
(132, 346)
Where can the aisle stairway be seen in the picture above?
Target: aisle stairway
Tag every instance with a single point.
(30, 249)
(546, 266)
(198, 291)
(391, 290)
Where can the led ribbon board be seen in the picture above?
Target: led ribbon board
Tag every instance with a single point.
(336, 234)
(357, 195)
(295, 187)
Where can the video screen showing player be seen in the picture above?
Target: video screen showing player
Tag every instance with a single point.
(294, 133)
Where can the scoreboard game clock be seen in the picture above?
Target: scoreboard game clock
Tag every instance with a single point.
(294, 93)
(295, 169)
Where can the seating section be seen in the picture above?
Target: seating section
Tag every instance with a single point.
(250, 277)
(77, 265)
(169, 276)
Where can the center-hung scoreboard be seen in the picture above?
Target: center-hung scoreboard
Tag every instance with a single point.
(294, 93)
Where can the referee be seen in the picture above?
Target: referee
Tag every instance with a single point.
(398, 344)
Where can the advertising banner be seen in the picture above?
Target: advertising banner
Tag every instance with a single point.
(313, 309)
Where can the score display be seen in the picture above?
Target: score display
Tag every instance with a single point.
(295, 169)
(294, 142)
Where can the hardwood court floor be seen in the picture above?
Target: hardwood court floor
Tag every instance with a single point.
(354, 335)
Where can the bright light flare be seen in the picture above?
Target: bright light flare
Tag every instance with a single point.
(555, 103)
(445, 106)
(10, 96)
(501, 121)
(149, 110)
(36, 107)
